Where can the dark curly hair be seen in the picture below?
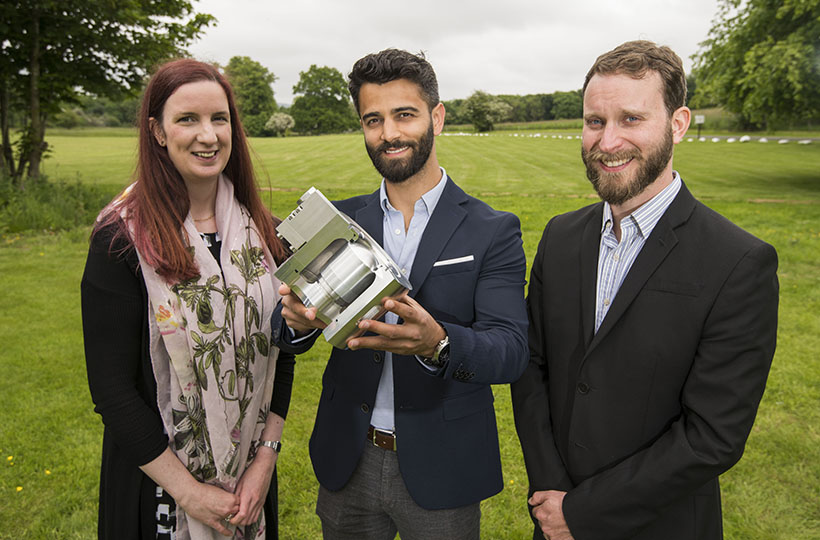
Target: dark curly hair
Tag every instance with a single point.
(390, 65)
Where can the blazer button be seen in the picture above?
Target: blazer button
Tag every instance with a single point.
(583, 388)
(365, 407)
(377, 358)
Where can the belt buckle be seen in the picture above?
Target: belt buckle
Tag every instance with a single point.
(390, 434)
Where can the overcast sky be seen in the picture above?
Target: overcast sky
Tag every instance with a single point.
(499, 46)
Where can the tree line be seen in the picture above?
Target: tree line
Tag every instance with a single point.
(484, 110)
(75, 62)
(321, 103)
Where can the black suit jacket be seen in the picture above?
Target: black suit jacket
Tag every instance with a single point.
(637, 421)
(445, 423)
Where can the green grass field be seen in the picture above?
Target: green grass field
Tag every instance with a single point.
(50, 437)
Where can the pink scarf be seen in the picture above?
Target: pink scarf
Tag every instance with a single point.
(212, 357)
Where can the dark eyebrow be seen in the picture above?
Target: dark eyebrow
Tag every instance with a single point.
(397, 110)
(405, 109)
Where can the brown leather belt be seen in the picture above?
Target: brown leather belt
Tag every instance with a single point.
(382, 439)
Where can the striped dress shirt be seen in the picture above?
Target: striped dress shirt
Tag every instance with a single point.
(616, 258)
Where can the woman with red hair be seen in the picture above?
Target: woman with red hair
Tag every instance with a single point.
(177, 295)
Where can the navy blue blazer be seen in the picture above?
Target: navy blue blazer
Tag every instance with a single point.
(636, 422)
(446, 436)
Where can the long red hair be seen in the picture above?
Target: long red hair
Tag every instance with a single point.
(158, 202)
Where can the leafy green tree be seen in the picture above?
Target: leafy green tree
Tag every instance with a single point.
(52, 49)
(96, 111)
(760, 61)
(529, 108)
(515, 102)
(485, 110)
(546, 101)
(279, 123)
(691, 86)
(99, 111)
(455, 113)
(322, 103)
(567, 105)
(251, 83)
(532, 108)
(69, 117)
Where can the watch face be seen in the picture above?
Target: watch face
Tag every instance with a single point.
(440, 356)
(433, 362)
(444, 355)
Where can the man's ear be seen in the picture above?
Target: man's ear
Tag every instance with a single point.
(156, 130)
(437, 114)
(680, 123)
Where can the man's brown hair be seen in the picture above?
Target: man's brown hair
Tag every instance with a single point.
(636, 59)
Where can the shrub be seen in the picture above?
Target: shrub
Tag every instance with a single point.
(50, 206)
(279, 123)
(254, 124)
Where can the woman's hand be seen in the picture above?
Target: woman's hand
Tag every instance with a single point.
(252, 489)
(203, 502)
(211, 505)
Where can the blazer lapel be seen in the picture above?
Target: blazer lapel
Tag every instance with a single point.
(662, 240)
(371, 218)
(443, 223)
(590, 248)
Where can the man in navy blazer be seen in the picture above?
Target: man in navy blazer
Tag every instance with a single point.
(405, 436)
(652, 328)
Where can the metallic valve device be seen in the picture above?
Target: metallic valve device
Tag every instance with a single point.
(336, 267)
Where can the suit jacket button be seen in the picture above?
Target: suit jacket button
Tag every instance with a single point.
(583, 388)
(377, 358)
(365, 407)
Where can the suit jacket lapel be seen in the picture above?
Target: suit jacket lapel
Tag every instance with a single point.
(441, 226)
(662, 240)
(371, 218)
(590, 247)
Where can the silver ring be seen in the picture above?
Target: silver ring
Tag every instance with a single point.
(228, 518)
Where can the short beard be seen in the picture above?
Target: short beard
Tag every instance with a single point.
(611, 187)
(399, 170)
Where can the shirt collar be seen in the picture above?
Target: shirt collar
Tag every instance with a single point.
(429, 199)
(648, 214)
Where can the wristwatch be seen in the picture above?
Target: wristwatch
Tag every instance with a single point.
(440, 355)
(273, 445)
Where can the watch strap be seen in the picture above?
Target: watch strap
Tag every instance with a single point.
(276, 446)
(440, 353)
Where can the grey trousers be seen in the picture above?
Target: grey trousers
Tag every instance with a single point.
(375, 505)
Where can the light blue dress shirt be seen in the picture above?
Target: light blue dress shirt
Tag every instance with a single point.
(402, 246)
(616, 258)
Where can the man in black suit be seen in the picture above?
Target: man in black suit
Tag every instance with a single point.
(405, 437)
(652, 328)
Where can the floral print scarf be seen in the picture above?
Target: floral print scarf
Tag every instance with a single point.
(212, 357)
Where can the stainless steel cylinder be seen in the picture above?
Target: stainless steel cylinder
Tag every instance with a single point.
(346, 275)
(349, 272)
